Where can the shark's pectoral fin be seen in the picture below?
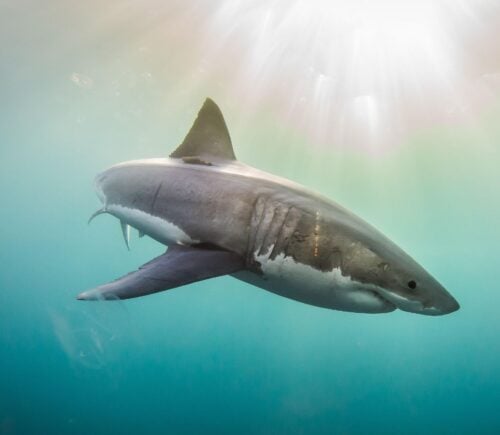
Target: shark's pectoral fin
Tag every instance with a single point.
(180, 265)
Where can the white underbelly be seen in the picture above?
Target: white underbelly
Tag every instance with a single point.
(288, 278)
(158, 228)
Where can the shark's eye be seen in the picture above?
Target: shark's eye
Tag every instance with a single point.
(412, 284)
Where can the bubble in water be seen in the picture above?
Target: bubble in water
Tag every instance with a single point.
(93, 335)
(82, 80)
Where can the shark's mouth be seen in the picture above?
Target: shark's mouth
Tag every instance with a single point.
(382, 300)
(398, 301)
(388, 304)
(404, 304)
(366, 300)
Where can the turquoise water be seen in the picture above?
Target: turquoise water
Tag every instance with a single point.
(82, 89)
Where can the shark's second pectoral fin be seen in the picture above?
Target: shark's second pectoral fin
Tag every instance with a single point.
(180, 265)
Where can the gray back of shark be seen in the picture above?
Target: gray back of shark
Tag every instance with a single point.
(219, 216)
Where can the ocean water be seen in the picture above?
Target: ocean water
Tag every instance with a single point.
(408, 138)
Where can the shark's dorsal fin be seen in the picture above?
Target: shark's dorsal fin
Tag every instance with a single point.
(208, 136)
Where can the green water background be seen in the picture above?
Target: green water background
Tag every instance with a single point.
(221, 356)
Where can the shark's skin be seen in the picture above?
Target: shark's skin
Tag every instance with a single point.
(293, 242)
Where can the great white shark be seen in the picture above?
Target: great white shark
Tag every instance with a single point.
(219, 216)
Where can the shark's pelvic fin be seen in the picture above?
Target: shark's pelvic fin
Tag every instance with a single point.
(126, 233)
(208, 136)
(180, 265)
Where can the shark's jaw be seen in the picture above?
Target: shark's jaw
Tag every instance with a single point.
(416, 306)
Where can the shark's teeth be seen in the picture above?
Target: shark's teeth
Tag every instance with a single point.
(126, 233)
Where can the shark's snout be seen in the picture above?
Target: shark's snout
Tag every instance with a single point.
(446, 304)
(437, 301)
